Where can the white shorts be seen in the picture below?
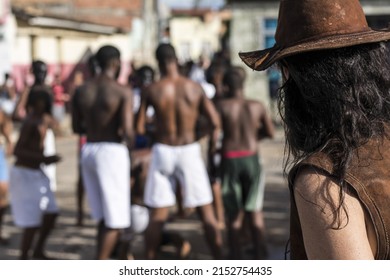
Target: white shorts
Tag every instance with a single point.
(30, 196)
(183, 163)
(106, 174)
(49, 149)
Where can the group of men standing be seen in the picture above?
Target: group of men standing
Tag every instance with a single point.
(102, 110)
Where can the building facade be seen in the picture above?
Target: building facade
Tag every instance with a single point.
(65, 33)
(253, 27)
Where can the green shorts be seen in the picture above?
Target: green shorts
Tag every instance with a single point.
(242, 184)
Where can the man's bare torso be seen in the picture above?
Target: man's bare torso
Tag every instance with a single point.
(100, 103)
(176, 102)
(242, 122)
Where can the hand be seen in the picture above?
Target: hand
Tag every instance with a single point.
(52, 159)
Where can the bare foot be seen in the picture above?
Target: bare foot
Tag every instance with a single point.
(184, 250)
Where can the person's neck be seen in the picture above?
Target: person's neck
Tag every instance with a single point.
(170, 70)
(237, 93)
(109, 73)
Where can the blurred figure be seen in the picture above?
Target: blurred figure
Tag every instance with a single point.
(8, 95)
(177, 102)
(244, 123)
(60, 98)
(144, 76)
(197, 73)
(39, 70)
(140, 161)
(6, 149)
(103, 110)
(93, 70)
(33, 203)
(78, 80)
(214, 75)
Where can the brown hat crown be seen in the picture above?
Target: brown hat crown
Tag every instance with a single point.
(300, 21)
(308, 25)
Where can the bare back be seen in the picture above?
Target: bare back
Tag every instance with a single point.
(177, 103)
(244, 123)
(103, 108)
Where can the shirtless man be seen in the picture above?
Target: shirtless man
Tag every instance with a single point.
(39, 70)
(94, 70)
(177, 102)
(104, 108)
(33, 203)
(244, 123)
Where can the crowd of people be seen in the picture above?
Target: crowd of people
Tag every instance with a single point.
(189, 142)
(148, 151)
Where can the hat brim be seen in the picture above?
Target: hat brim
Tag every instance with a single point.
(262, 59)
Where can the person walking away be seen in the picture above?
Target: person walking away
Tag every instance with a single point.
(177, 102)
(244, 122)
(33, 204)
(103, 108)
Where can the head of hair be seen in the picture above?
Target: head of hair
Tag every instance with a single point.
(165, 53)
(145, 74)
(105, 55)
(335, 101)
(39, 101)
(39, 70)
(233, 79)
(6, 76)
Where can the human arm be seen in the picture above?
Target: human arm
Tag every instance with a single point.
(77, 117)
(211, 113)
(127, 117)
(20, 107)
(317, 198)
(6, 131)
(141, 114)
(32, 154)
(267, 128)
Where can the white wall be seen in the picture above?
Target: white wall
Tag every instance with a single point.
(247, 35)
(194, 34)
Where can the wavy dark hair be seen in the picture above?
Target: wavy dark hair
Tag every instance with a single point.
(335, 101)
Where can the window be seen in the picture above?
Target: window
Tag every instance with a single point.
(269, 31)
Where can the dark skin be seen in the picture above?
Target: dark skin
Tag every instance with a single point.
(244, 122)
(78, 81)
(29, 153)
(178, 102)
(102, 109)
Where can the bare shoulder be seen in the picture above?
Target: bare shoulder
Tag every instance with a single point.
(194, 86)
(332, 220)
(256, 104)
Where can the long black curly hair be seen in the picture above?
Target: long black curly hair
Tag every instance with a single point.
(334, 101)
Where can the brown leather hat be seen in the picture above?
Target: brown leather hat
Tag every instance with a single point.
(309, 25)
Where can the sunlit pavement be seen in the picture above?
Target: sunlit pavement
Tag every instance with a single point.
(69, 241)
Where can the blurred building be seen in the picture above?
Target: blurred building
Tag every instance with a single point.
(7, 35)
(64, 33)
(197, 31)
(194, 28)
(253, 26)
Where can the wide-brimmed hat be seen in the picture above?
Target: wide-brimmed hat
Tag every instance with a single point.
(310, 25)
